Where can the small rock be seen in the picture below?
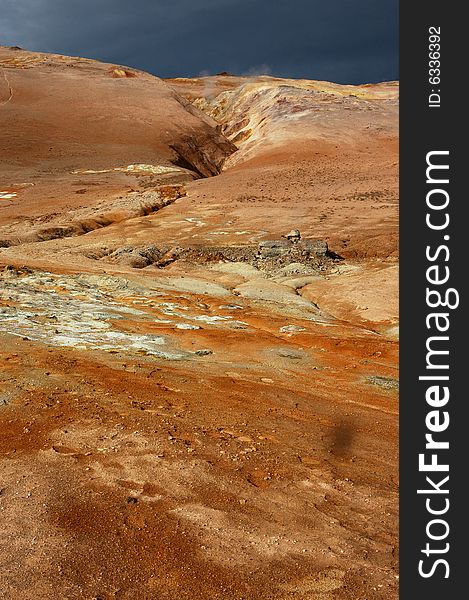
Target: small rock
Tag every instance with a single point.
(294, 235)
(388, 383)
(237, 325)
(274, 248)
(203, 352)
(290, 353)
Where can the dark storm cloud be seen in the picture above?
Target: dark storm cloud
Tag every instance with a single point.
(338, 40)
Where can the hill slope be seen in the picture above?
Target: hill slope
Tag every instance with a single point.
(196, 402)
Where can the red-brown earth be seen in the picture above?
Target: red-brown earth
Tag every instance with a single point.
(185, 414)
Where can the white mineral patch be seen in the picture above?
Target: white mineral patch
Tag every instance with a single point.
(209, 319)
(291, 329)
(7, 195)
(39, 313)
(135, 168)
(172, 306)
(194, 220)
(79, 316)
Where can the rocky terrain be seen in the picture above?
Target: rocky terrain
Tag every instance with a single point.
(199, 329)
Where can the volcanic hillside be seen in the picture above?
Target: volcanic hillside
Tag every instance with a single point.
(198, 323)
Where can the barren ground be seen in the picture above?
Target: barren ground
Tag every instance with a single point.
(187, 413)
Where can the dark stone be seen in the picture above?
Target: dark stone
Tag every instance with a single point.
(203, 352)
(316, 247)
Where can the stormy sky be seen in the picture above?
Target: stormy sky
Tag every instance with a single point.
(347, 41)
